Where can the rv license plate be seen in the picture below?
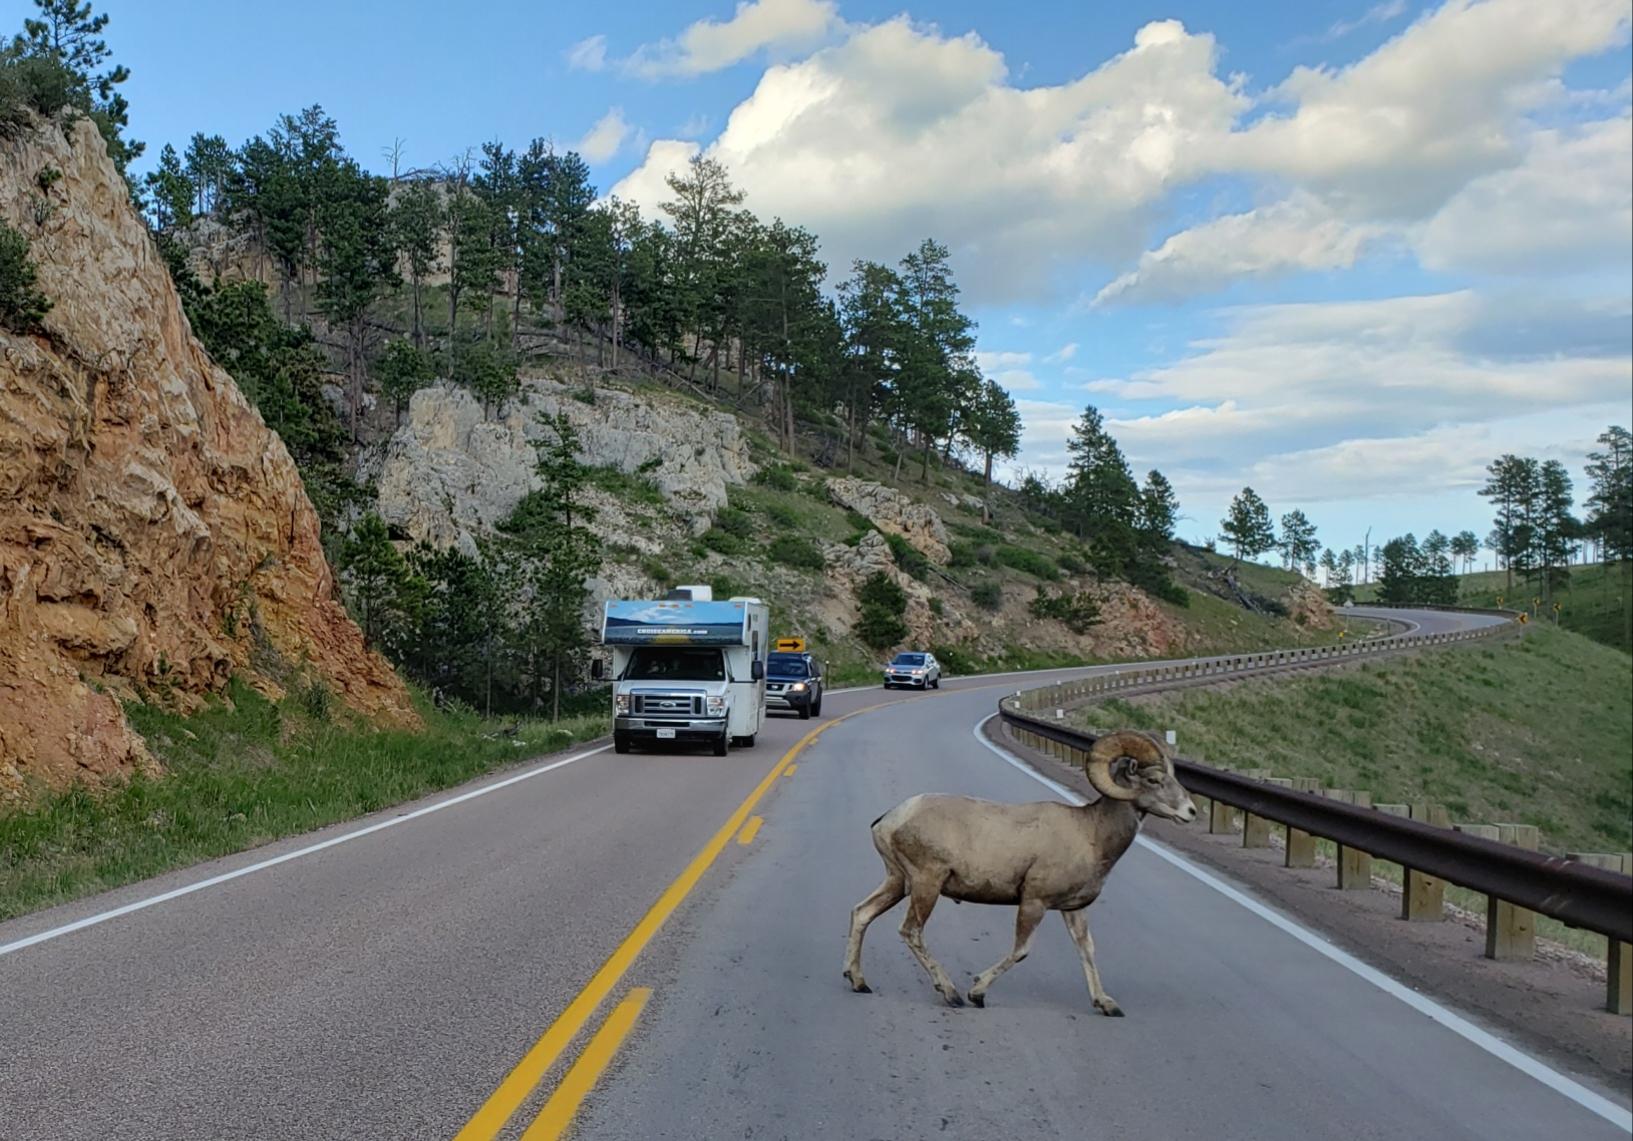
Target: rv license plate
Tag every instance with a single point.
(666, 734)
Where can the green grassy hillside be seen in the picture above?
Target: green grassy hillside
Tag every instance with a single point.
(1596, 602)
(1533, 730)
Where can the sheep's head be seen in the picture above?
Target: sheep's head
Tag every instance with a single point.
(1131, 766)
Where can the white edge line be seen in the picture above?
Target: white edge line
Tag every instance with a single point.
(379, 826)
(1594, 1103)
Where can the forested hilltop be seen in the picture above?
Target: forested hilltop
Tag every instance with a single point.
(509, 397)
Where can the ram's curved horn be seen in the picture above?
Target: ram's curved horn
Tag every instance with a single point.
(1124, 743)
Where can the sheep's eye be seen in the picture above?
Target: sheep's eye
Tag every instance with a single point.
(1153, 778)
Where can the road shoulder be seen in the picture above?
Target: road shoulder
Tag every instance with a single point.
(1549, 1007)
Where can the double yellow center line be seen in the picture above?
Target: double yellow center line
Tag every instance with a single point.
(520, 1083)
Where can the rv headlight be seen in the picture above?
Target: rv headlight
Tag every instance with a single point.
(717, 705)
(620, 703)
(797, 687)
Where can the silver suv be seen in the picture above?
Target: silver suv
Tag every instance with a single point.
(915, 669)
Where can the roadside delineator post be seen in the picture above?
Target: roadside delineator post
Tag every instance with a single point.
(1619, 978)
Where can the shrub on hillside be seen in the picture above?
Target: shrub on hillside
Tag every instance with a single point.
(778, 477)
(793, 551)
(22, 307)
(956, 660)
(908, 557)
(987, 595)
(1077, 612)
(1027, 560)
(883, 602)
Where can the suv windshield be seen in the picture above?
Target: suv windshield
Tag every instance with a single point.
(908, 660)
(788, 667)
(666, 663)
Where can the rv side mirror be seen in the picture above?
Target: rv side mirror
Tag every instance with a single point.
(595, 669)
(756, 671)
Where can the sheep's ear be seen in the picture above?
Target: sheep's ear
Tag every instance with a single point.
(1126, 770)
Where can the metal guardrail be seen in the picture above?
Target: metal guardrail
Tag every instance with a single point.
(1587, 897)
(1571, 891)
(1138, 679)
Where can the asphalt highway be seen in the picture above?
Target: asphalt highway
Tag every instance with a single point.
(649, 946)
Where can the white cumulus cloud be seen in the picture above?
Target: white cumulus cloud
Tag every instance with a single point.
(604, 139)
(1296, 234)
(756, 25)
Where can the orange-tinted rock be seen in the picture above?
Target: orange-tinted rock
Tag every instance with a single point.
(152, 528)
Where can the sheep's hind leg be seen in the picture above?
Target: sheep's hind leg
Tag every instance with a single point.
(1077, 922)
(884, 897)
(923, 901)
(1027, 918)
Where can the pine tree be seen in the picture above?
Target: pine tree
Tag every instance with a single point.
(1610, 505)
(1401, 571)
(358, 262)
(1512, 489)
(209, 166)
(401, 371)
(1465, 546)
(382, 588)
(1554, 529)
(1298, 541)
(417, 223)
(22, 307)
(874, 329)
(561, 553)
(1247, 527)
(994, 430)
(67, 33)
(169, 193)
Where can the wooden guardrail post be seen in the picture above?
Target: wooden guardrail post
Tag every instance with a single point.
(1221, 819)
(1423, 897)
(1354, 865)
(1255, 829)
(1511, 932)
(1301, 844)
(1619, 977)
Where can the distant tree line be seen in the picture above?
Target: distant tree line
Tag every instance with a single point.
(1535, 531)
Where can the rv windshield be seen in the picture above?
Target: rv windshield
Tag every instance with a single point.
(675, 663)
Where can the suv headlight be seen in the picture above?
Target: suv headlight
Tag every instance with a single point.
(797, 687)
(717, 705)
(620, 703)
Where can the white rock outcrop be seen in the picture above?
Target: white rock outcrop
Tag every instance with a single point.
(450, 473)
(892, 512)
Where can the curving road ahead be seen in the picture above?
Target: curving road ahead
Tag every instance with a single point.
(453, 969)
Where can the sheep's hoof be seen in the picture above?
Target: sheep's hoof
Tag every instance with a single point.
(1110, 1009)
(857, 985)
(953, 998)
(978, 999)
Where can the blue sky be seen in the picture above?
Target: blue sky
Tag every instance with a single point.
(1346, 252)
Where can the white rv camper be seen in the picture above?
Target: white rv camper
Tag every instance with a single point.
(687, 669)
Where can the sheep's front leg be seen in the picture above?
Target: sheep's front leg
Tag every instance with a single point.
(1077, 922)
(1026, 923)
(919, 906)
(884, 897)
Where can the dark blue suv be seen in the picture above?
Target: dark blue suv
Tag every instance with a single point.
(794, 682)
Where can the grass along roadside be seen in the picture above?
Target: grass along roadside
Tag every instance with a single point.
(239, 774)
(1536, 730)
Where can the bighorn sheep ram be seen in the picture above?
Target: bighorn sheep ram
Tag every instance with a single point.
(1039, 857)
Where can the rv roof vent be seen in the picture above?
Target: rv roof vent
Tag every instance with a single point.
(692, 594)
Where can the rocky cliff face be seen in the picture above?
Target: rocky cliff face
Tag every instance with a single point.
(450, 474)
(154, 535)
